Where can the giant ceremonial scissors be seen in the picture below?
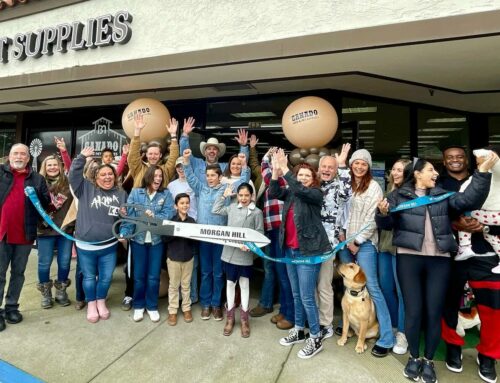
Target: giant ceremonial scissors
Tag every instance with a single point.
(223, 235)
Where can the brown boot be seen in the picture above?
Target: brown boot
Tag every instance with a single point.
(284, 324)
(245, 324)
(228, 328)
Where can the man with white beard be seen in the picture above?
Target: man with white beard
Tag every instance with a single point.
(18, 220)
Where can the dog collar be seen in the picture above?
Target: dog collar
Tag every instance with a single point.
(356, 293)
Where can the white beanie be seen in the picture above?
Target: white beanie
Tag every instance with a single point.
(361, 154)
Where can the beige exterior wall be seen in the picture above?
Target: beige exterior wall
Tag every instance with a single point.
(165, 27)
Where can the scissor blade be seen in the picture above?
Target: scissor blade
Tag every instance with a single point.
(230, 236)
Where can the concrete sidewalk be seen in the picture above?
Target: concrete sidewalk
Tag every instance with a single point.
(59, 345)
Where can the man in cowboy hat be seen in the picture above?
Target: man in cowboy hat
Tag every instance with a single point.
(212, 150)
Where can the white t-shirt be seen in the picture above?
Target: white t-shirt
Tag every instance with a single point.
(179, 186)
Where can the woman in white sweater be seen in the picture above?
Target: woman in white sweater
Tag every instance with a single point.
(363, 205)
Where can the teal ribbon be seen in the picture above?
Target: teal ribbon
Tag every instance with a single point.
(421, 201)
(31, 193)
(312, 260)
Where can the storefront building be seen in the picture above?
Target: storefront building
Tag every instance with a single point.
(406, 78)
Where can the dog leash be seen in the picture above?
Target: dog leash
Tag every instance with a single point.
(313, 260)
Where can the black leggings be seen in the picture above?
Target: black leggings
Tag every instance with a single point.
(423, 281)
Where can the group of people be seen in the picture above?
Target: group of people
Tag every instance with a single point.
(404, 242)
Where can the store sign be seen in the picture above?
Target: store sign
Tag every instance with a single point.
(102, 137)
(95, 32)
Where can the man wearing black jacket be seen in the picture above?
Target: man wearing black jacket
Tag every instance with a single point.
(477, 271)
(18, 220)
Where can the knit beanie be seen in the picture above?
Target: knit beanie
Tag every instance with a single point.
(361, 154)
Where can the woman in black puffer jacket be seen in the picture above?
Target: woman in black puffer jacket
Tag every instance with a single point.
(424, 239)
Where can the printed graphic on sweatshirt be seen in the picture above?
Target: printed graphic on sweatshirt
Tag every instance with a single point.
(111, 202)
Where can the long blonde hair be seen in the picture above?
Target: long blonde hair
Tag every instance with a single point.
(61, 183)
(391, 186)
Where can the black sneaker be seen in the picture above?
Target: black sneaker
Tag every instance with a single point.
(13, 317)
(312, 347)
(428, 374)
(326, 332)
(127, 303)
(454, 357)
(380, 352)
(2, 323)
(338, 331)
(294, 336)
(413, 369)
(486, 369)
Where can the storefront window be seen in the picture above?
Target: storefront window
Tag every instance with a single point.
(261, 117)
(7, 135)
(381, 128)
(494, 131)
(438, 130)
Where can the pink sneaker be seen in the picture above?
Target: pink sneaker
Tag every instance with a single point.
(92, 314)
(103, 310)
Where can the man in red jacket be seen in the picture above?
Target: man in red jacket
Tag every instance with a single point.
(18, 219)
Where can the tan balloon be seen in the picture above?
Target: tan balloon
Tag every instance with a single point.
(310, 122)
(156, 117)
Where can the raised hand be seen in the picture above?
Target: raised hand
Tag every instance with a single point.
(271, 151)
(228, 192)
(139, 123)
(490, 161)
(282, 160)
(125, 149)
(87, 151)
(188, 126)
(172, 127)
(342, 157)
(253, 141)
(60, 144)
(242, 137)
(243, 160)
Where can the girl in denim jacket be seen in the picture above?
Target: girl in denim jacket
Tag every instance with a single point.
(147, 248)
(210, 254)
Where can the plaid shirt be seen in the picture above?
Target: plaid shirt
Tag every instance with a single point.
(273, 208)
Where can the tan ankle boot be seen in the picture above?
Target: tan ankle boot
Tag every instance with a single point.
(245, 323)
(228, 328)
(92, 314)
(102, 309)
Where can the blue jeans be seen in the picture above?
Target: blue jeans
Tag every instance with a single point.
(390, 288)
(147, 266)
(79, 293)
(194, 277)
(303, 279)
(211, 274)
(367, 260)
(97, 268)
(46, 246)
(267, 293)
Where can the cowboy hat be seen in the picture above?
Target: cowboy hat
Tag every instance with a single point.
(212, 141)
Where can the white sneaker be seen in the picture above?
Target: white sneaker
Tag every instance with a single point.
(401, 346)
(464, 252)
(138, 315)
(154, 315)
